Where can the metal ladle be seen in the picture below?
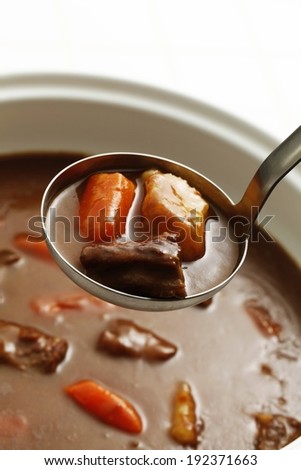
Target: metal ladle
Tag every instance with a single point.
(283, 159)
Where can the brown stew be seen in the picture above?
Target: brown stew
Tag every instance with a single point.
(235, 362)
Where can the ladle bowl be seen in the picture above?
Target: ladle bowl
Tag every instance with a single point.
(240, 216)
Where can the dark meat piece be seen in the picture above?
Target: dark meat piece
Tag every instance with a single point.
(263, 319)
(8, 257)
(125, 338)
(24, 347)
(275, 431)
(149, 268)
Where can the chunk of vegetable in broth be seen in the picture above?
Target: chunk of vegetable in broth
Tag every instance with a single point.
(104, 206)
(171, 205)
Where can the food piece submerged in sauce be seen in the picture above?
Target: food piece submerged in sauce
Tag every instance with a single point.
(34, 246)
(106, 405)
(171, 205)
(124, 338)
(24, 347)
(12, 424)
(263, 319)
(149, 268)
(51, 305)
(275, 431)
(184, 427)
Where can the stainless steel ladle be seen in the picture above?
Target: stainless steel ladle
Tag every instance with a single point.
(283, 159)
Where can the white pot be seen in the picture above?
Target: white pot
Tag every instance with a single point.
(97, 115)
(94, 115)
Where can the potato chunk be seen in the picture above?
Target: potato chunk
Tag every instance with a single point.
(171, 205)
(184, 427)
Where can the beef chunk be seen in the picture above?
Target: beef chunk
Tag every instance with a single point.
(275, 431)
(150, 268)
(24, 347)
(263, 319)
(124, 338)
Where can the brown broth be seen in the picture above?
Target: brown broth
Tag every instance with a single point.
(220, 348)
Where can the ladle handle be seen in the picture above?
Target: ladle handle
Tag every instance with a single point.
(280, 162)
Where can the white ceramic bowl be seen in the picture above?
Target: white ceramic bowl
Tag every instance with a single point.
(94, 115)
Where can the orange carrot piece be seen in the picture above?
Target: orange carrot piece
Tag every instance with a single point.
(33, 246)
(104, 206)
(106, 405)
(52, 305)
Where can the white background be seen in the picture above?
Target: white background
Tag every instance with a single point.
(243, 56)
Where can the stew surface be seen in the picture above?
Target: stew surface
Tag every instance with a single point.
(239, 356)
